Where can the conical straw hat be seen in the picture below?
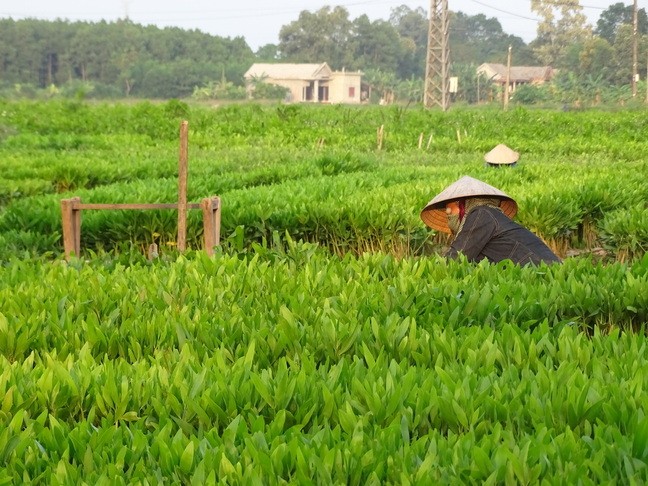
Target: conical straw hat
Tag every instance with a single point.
(434, 213)
(501, 155)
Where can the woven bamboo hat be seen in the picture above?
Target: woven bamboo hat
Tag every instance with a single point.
(434, 213)
(502, 155)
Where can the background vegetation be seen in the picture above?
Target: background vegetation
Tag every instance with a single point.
(123, 59)
(326, 340)
(317, 173)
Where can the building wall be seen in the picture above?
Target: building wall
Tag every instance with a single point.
(296, 87)
(345, 87)
(342, 87)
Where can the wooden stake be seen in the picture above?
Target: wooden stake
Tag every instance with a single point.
(182, 187)
(71, 219)
(420, 143)
(211, 210)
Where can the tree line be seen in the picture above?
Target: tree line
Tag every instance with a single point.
(121, 58)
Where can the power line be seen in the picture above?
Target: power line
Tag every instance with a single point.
(530, 18)
(505, 11)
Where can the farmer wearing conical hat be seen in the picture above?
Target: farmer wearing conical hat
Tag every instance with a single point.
(480, 217)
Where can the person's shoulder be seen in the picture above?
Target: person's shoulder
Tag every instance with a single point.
(485, 210)
(490, 210)
(486, 213)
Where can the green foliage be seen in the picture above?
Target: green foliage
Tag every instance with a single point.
(326, 341)
(626, 231)
(219, 91)
(312, 171)
(527, 94)
(120, 59)
(277, 363)
(269, 91)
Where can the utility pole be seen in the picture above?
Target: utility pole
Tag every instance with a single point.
(125, 4)
(438, 57)
(634, 49)
(508, 79)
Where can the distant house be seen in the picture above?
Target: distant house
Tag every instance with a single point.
(497, 73)
(316, 83)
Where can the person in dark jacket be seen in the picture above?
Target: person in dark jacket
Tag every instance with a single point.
(480, 217)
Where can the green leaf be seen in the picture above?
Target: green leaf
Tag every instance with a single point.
(262, 388)
(640, 439)
(366, 353)
(187, 458)
(249, 355)
(460, 414)
(347, 419)
(129, 416)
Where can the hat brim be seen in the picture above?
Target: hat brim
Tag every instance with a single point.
(435, 216)
(434, 213)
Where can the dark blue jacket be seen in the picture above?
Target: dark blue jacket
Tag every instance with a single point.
(489, 233)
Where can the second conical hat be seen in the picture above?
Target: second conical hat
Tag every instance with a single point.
(502, 155)
(434, 213)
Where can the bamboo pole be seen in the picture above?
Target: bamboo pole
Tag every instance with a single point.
(182, 187)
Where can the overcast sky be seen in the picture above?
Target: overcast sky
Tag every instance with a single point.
(259, 21)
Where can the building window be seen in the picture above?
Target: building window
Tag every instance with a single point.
(352, 92)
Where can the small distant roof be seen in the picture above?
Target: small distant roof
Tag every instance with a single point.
(289, 71)
(518, 73)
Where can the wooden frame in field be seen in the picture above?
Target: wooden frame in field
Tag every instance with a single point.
(211, 209)
(71, 216)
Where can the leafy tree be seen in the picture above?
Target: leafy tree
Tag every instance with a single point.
(381, 84)
(528, 94)
(8, 51)
(617, 15)
(90, 52)
(52, 39)
(562, 25)
(622, 49)
(222, 90)
(26, 58)
(269, 91)
(318, 37)
(593, 59)
(412, 27)
(128, 52)
(411, 90)
(376, 44)
(173, 79)
(115, 58)
(472, 88)
(268, 53)
(478, 39)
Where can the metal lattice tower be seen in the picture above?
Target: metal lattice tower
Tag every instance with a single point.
(438, 57)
